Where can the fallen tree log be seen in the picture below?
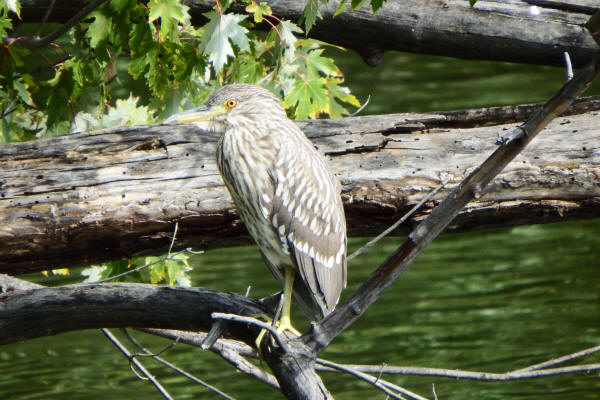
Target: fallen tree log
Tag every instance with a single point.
(532, 31)
(115, 193)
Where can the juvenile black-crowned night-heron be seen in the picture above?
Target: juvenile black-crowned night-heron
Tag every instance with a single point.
(283, 191)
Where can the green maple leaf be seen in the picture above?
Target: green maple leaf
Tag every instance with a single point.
(99, 29)
(5, 23)
(311, 13)
(22, 92)
(251, 70)
(220, 32)
(288, 39)
(258, 10)
(341, 7)
(376, 4)
(308, 96)
(354, 4)
(14, 6)
(315, 61)
(336, 92)
(170, 13)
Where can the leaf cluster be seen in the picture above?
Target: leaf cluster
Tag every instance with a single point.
(134, 62)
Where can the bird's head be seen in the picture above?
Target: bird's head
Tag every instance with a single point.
(232, 105)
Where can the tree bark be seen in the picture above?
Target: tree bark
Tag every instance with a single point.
(31, 313)
(117, 193)
(508, 30)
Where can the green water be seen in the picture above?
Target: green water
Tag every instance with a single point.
(492, 301)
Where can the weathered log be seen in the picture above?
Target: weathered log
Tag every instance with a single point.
(116, 193)
(508, 30)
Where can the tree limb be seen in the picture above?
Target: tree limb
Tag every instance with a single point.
(37, 42)
(30, 313)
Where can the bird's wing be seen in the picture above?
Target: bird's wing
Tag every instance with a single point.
(307, 213)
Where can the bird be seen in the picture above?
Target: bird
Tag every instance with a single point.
(284, 192)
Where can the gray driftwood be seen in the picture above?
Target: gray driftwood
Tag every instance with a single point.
(506, 30)
(115, 193)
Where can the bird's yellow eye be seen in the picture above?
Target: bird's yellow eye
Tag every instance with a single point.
(231, 103)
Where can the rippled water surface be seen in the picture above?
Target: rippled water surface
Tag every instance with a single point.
(487, 301)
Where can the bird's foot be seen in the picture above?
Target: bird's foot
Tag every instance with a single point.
(283, 325)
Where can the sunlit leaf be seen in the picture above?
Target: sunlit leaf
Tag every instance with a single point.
(5, 23)
(258, 10)
(22, 91)
(14, 6)
(219, 32)
(325, 65)
(310, 14)
(99, 29)
(288, 39)
(341, 7)
(170, 12)
(307, 97)
(94, 273)
(337, 93)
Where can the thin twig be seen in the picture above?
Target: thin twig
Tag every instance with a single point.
(355, 113)
(45, 18)
(148, 353)
(561, 360)
(169, 256)
(231, 351)
(137, 363)
(35, 42)
(473, 375)
(253, 321)
(433, 391)
(173, 239)
(396, 224)
(381, 384)
(197, 338)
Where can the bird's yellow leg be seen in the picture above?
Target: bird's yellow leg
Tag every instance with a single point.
(285, 323)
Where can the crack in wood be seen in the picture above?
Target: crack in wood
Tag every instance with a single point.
(360, 149)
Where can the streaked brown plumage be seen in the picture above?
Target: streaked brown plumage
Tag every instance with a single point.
(283, 190)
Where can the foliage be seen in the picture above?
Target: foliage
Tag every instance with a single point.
(133, 62)
(172, 270)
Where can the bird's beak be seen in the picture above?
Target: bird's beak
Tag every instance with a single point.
(202, 114)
